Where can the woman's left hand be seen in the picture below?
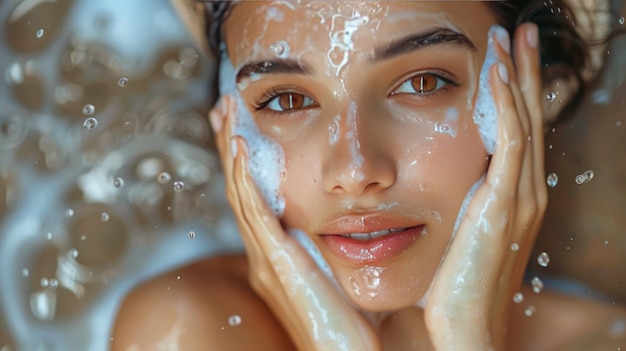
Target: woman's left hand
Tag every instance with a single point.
(468, 306)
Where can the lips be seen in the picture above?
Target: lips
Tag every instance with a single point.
(368, 239)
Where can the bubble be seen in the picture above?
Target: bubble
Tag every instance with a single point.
(118, 182)
(514, 247)
(73, 253)
(105, 217)
(530, 310)
(178, 186)
(543, 259)
(552, 180)
(90, 123)
(54, 283)
(25, 272)
(518, 297)
(280, 49)
(588, 175)
(551, 97)
(580, 179)
(88, 110)
(621, 20)
(537, 285)
(68, 213)
(40, 33)
(164, 178)
(234, 320)
(122, 82)
(192, 234)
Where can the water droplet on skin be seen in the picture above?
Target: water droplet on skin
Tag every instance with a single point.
(277, 49)
(537, 285)
(518, 297)
(588, 175)
(164, 178)
(551, 97)
(234, 320)
(543, 259)
(530, 310)
(192, 234)
(514, 247)
(25, 272)
(88, 110)
(580, 179)
(40, 33)
(552, 180)
(122, 82)
(621, 20)
(118, 182)
(90, 123)
(179, 186)
(104, 217)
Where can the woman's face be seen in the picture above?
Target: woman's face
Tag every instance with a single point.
(372, 104)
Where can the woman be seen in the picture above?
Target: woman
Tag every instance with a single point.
(385, 164)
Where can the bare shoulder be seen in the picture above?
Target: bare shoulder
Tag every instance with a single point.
(563, 322)
(203, 306)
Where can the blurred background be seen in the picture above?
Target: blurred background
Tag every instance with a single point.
(107, 178)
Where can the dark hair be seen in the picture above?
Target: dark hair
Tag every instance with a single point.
(565, 54)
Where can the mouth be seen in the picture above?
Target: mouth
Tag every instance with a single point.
(373, 235)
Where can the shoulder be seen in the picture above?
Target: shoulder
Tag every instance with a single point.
(563, 322)
(206, 305)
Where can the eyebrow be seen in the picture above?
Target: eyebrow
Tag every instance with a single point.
(410, 43)
(413, 42)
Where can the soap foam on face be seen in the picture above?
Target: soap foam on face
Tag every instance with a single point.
(266, 159)
(485, 111)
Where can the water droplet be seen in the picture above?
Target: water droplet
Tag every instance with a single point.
(73, 253)
(88, 110)
(90, 123)
(530, 310)
(178, 277)
(40, 33)
(122, 82)
(164, 178)
(514, 247)
(25, 272)
(118, 182)
(621, 20)
(543, 259)
(234, 320)
(68, 213)
(588, 175)
(580, 179)
(552, 180)
(43, 304)
(518, 297)
(104, 217)
(44, 282)
(537, 285)
(192, 234)
(49, 236)
(178, 186)
(551, 97)
(54, 283)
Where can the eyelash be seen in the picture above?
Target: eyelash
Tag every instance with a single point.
(441, 76)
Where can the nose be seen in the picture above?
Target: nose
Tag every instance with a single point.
(359, 160)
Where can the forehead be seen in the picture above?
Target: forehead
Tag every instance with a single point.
(253, 26)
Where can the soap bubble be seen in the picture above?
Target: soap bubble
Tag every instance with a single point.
(530, 310)
(588, 175)
(122, 82)
(192, 234)
(90, 123)
(518, 297)
(164, 178)
(543, 259)
(88, 110)
(551, 97)
(580, 179)
(40, 33)
(552, 180)
(514, 247)
(537, 285)
(234, 320)
(178, 186)
(105, 217)
(118, 182)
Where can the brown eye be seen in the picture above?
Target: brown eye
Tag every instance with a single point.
(286, 102)
(424, 83)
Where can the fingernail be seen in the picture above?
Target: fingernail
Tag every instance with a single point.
(502, 36)
(503, 72)
(532, 35)
(233, 147)
(217, 120)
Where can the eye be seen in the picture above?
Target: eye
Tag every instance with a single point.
(286, 102)
(422, 84)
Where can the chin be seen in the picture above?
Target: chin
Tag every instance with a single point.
(384, 298)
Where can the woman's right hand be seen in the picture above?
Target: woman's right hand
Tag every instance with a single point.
(298, 293)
